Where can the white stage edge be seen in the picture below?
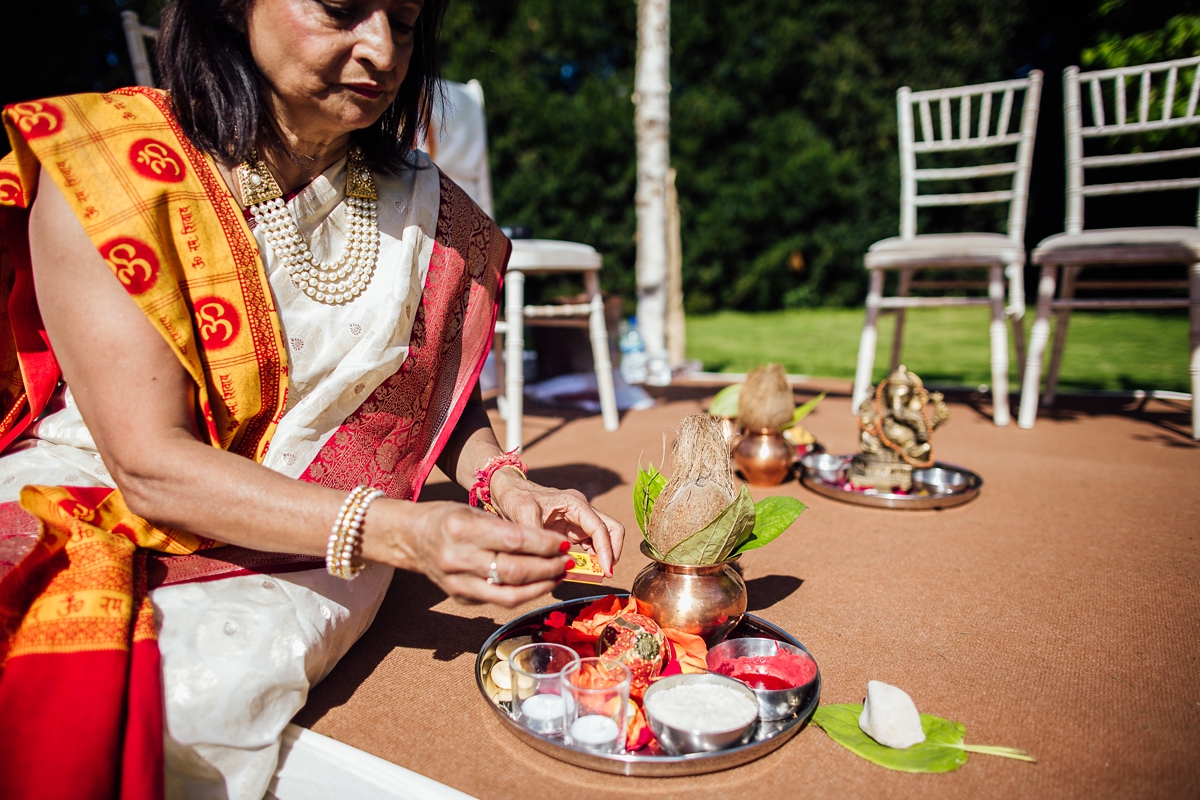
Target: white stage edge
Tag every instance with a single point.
(315, 767)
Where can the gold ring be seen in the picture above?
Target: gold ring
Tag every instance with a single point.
(493, 574)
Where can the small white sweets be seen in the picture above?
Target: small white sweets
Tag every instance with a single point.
(890, 717)
(702, 708)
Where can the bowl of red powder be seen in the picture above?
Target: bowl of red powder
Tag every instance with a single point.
(781, 675)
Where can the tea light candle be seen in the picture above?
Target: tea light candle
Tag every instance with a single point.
(543, 713)
(594, 730)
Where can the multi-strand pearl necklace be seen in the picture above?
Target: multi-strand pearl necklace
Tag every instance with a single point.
(333, 284)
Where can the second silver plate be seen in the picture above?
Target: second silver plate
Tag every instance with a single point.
(940, 486)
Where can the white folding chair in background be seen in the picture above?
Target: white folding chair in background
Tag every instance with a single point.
(458, 145)
(973, 120)
(136, 35)
(1157, 93)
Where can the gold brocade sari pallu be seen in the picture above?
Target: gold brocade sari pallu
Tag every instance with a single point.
(80, 684)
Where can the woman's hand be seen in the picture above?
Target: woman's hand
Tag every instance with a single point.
(456, 545)
(564, 511)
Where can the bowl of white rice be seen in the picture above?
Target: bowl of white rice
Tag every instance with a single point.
(700, 713)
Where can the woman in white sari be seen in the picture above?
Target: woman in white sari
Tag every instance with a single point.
(261, 298)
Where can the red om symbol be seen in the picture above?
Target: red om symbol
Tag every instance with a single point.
(134, 263)
(155, 160)
(217, 321)
(36, 119)
(10, 189)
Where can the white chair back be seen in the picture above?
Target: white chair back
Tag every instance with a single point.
(1127, 100)
(457, 140)
(968, 118)
(136, 35)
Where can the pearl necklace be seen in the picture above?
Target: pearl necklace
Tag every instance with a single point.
(332, 284)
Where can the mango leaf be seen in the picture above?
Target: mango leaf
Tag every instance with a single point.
(803, 411)
(646, 489)
(772, 516)
(725, 403)
(942, 750)
(717, 539)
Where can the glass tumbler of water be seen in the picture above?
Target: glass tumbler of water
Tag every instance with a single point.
(537, 685)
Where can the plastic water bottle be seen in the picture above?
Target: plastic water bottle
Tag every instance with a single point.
(633, 353)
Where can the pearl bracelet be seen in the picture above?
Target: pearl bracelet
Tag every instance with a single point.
(343, 554)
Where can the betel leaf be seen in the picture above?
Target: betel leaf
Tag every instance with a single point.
(725, 403)
(772, 516)
(646, 489)
(942, 750)
(716, 540)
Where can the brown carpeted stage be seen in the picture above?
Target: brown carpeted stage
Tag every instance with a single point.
(1059, 612)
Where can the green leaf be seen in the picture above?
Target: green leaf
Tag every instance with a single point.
(646, 489)
(716, 541)
(803, 411)
(942, 750)
(772, 516)
(725, 404)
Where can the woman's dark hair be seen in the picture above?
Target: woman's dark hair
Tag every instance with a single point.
(218, 93)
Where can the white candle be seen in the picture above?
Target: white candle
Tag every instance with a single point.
(543, 713)
(594, 730)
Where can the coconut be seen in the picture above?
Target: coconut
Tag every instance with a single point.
(701, 486)
(765, 402)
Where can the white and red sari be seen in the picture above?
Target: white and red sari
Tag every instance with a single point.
(366, 393)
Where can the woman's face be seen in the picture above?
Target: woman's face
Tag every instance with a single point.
(332, 66)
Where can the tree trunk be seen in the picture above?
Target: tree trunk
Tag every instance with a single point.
(652, 92)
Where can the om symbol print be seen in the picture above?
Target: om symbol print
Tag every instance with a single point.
(155, 160)
(133, 262)
(36, 119)
(217, 322)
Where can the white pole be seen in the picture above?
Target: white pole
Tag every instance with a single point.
(651, 94)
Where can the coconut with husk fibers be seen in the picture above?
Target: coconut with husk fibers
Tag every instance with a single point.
(697, 517)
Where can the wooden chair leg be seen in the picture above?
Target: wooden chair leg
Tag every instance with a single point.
(898, 340)
(514, 357)
(1194, 312)
(866, 344)
(999, 339)
(598, 331)
(1038, 337)
(1062, 321)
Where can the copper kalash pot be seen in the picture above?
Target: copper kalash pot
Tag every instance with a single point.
(706, 601)
(764, 457)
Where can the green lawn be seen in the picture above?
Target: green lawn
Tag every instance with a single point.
(1105, 350)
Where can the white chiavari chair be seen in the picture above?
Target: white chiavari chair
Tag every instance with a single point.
(1122, 106)
(458, 145)
(136, 35)
(975, 120)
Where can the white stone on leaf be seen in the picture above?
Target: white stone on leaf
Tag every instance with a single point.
(890, 717)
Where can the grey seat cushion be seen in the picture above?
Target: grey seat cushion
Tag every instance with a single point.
(1121, 246)
(945, 250)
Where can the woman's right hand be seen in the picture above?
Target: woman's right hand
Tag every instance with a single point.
(455, 545)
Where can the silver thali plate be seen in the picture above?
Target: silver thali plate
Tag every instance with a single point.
(767, 737)
(940, 486)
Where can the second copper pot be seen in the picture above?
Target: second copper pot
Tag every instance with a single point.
(764, 457)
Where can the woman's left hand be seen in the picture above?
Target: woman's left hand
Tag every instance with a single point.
(564, 511)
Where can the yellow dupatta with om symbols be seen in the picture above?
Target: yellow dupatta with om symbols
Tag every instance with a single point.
(78, 650)
(164, 222)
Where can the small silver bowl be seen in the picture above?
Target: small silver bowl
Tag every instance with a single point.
(825, 467)
(936, 480)
(773, 704)
(680, 742)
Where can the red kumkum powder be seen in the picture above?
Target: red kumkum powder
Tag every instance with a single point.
(773, 673)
